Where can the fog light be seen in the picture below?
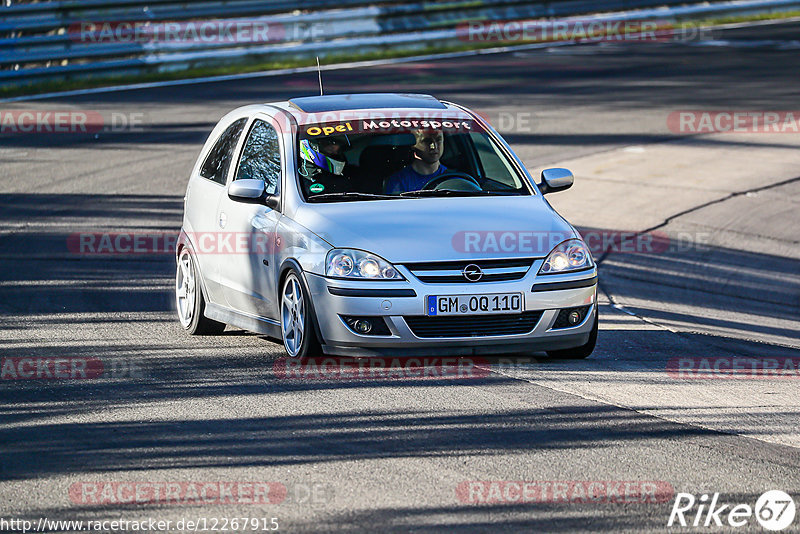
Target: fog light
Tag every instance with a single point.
(370, 325)
(571, 317)
(363, 326)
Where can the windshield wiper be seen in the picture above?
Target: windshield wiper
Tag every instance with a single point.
(446, 193)
(349, 195)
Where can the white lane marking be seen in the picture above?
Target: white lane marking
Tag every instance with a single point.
(745, 43)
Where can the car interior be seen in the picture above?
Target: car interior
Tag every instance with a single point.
(372, 159)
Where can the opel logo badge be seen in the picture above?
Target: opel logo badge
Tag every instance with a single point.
(472, 272)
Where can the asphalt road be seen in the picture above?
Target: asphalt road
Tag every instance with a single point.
(389, 455)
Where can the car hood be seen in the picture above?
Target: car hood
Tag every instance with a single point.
(440, 229)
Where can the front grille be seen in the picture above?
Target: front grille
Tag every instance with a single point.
(450, 271)
(473, 325)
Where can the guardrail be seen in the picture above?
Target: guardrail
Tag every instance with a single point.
(73, 38)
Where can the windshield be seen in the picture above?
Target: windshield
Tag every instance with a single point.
(366, 159)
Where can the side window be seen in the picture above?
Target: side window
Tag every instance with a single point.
(218, 161)
(261, 157)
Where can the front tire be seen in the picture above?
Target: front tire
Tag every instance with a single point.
(189, 299)
(297, 329)
(582, 352)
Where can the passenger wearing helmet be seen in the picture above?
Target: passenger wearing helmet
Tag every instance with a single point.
(324, 166)
(424, 167)
(324, 154)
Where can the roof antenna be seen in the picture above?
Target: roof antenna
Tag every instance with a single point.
(319, 75)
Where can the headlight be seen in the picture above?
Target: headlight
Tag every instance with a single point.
(571, 255)
(346, 263)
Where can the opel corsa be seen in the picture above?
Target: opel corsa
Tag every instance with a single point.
(373, 224)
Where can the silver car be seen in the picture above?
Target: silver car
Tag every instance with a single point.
(374, 224)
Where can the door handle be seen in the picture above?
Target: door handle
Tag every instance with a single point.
(223, 219)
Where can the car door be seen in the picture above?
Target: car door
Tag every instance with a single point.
(247, 272)
(203, 194)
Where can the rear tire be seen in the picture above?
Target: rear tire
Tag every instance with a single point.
(189, 298)
(582, 352)
(297, 327)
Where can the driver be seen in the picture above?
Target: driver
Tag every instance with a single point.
(424, 167)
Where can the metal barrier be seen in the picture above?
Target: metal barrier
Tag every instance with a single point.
(72, 38)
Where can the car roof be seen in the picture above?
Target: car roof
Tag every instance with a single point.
(320, 104)
(327, 108)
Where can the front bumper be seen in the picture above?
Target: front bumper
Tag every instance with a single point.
(334, 298)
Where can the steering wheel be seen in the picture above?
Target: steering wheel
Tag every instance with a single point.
(462, 181)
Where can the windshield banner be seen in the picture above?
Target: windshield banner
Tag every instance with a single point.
(386, 125)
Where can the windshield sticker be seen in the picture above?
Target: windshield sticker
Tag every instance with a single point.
(316, 188)
(387, 126)
(329, 130)
(415, 124)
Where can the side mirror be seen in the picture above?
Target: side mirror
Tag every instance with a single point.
(555, 179)
(251, 192)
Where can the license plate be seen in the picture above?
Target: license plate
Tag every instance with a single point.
(474, 304)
